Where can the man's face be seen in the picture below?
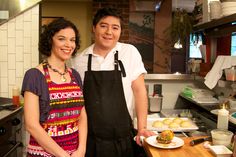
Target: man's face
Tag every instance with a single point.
(107, 32)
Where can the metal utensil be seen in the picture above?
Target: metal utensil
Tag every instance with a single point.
(200, 140)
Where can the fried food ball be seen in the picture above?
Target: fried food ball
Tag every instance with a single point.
(177, 120)
(173, 125)
(157, 124)
(167, 121)
(185, 124)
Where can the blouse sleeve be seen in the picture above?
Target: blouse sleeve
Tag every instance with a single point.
(35, 82)
(77, 78)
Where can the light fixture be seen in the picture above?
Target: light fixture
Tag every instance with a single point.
(178, 45)
(158, 5)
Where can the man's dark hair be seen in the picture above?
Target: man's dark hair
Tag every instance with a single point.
(104, 12)
(45, 41)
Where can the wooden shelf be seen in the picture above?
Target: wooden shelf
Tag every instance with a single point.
(227, 20)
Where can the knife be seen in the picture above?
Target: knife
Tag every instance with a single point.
(200, 140)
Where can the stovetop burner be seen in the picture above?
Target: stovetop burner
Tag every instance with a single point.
(10, 107)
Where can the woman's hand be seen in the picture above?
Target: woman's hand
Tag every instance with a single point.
(78, 153)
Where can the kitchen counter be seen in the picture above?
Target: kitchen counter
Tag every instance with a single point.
(185, 151)
(8, 110)
(204, 110)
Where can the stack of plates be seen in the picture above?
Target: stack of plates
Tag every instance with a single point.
(228, 8)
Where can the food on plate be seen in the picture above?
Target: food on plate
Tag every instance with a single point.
(167, 121)
(173, 125)
(157, 124)
(177, 120)
(165, 137)
(185, 124)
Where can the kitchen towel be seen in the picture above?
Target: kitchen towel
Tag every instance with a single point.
(221, 63)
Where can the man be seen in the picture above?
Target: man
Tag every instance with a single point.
(113, 74)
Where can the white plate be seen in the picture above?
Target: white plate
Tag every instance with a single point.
(215, 111)
(175, 143)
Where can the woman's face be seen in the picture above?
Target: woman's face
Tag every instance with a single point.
(107, 32)
(63, 44)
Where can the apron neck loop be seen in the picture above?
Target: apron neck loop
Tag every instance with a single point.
(89, 62)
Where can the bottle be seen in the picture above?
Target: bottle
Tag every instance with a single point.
(223, 119)
(15, 96)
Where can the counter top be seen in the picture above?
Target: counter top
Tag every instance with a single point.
(149, 77)
(4, 114)
(185, 151)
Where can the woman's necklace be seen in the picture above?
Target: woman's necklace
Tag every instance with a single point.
(63, 78)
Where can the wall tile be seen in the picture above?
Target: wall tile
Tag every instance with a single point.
(4, 84)
(27, 15)
(3, 35)
(27, 29)
(19, 38)
(3, 69)
(3, 53)
(35, 38)
(3, 26)
(19, 53)
(27, 61)
(11, 61)
(19, 22)
(11, 29)
(12, 45)
(5, 95)
(35, 22)
(35, 10)
(27, 45)
(10, 87)
(11, 77)
(19, 69)
(35, 54)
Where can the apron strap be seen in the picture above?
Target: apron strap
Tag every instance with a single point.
(89, 62)
(118, 62)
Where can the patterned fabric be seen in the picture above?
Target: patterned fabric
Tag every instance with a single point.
(66, 102)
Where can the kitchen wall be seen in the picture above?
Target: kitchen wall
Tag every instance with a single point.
(18, 49)
(79, 13)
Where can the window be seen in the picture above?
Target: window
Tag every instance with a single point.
(233, 44)
(194, 47)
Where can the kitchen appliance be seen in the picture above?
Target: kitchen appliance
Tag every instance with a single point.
(10, 129)
(155, 99)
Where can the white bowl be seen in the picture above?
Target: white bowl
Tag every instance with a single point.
(221, 151)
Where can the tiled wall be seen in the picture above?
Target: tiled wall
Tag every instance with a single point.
(18, 49)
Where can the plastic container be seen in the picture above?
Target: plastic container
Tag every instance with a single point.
(221, 137)
(220, 151)
(230, 74)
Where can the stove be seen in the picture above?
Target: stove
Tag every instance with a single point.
(10, 129)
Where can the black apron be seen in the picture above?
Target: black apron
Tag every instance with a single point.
(109, 122)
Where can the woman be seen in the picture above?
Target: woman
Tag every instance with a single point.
(54, 109)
